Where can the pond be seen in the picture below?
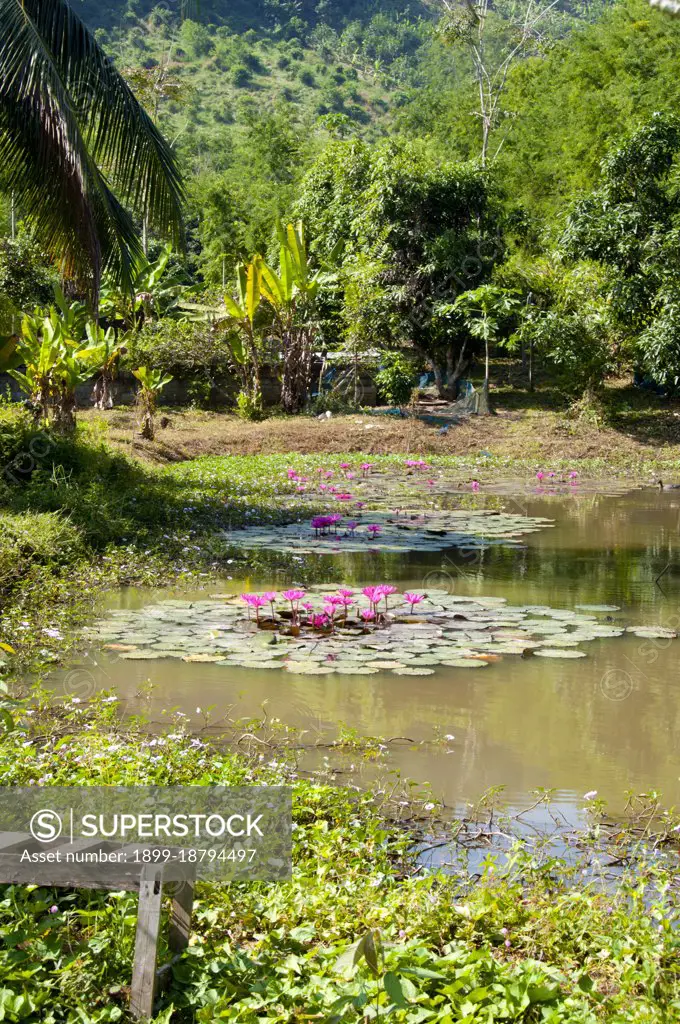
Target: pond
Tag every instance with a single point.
(606, 722)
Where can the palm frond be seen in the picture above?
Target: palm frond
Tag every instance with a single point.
(75, 144)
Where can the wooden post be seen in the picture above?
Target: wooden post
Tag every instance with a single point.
(146, 943)
(180, 916)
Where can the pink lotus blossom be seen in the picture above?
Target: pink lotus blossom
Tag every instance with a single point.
(320, 621)
(413, 599)
(367, 614)
(333, 599)
(345, 592)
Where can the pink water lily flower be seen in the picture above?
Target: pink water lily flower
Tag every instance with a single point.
(367, 614)
(386, 590)
(374, 529)
(413, 599)
(475, 485)
(320, 621)
(270, 596)
(344, 497)
(366, 467)
(294, 597)
(351, 526)
(292, 474)
(540, 475)
(255, 601)
(345, 465)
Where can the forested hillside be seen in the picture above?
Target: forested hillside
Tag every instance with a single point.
(251, 93)
(262, 101)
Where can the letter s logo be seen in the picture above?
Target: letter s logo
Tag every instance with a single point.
(45, 826)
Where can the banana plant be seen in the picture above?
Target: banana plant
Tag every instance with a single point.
(106, 351)
(40, 350)
(154, 292)
(49, 360)
(291, 293)
(240, 323)
(151, 383)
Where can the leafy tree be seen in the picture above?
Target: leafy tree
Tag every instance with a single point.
(69, 125)
(429, 227)
(151, 383)
(630, 226)
(483, 309)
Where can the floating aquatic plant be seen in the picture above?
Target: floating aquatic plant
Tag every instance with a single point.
(326, 629)
(400, 530)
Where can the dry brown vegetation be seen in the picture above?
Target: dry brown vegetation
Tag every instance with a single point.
(626, 427)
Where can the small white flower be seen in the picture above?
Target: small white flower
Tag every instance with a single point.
(590, 795)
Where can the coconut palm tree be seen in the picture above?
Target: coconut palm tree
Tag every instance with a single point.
(77, 150)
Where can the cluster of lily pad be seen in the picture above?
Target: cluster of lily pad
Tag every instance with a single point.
(399, 531)
(324, 630)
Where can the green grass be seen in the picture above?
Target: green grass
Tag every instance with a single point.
(538, 941)
(532, 941)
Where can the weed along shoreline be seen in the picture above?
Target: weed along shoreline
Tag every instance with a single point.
(184, 625)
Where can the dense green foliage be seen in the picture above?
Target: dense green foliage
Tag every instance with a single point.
(364, 119)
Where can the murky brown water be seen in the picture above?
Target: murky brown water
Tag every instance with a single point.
(609, 722)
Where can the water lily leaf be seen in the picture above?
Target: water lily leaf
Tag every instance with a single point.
(204, 659)
(549, 652)
(414, 672)
(597, 608)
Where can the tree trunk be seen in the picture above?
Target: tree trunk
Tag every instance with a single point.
(297, 370)
(65, 411)
(102, 393)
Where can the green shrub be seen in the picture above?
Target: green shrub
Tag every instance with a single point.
(396, 379)
(241, 76)
(30, 537)
(248, 408)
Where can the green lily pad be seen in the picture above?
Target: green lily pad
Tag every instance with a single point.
(549, 652)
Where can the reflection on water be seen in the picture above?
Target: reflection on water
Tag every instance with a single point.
(608, 722)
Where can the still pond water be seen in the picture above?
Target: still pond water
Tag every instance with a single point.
(609, 722)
